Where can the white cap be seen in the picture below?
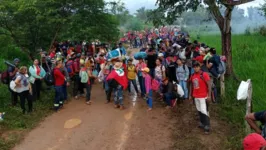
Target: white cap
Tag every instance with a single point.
(160, 55)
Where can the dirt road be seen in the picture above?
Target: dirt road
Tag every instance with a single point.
(102, 127)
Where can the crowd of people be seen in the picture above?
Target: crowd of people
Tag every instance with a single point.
(172, 61)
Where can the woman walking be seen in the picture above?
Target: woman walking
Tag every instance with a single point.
(182, 75)
(147, 79)
(140, 66)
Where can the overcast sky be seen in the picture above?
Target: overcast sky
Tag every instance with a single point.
(133, 5)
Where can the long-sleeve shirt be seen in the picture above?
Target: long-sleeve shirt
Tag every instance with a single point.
(147, 83)
(182, 73)
(58, 77)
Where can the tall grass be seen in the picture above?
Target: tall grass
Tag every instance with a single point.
(249, 63)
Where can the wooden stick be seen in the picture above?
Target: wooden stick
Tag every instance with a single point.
(249, 105)
(222, 85)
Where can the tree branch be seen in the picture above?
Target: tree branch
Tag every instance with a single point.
(234, 2)
(227, 19)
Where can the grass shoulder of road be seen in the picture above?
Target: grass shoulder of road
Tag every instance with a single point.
(249, 63)
(15, 125)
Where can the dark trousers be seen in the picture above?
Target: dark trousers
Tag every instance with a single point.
(64, 88)
(152, 72)
(23, 96)
(168, 98)
(59, 97)
(142, 85)
(14, 97)
(134, 84)
(109, 94)
(88, 91)
(77, 86)
(36, 89)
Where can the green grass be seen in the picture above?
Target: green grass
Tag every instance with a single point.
(249, 63)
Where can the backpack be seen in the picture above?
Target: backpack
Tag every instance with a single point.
(49, 77)
(5, 77)
(221, 67)
(70, 68)
(76, 65)
(84, 76)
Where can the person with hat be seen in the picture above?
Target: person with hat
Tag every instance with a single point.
(254, 141)
(200, 90)
(148, 94)
(131, 75)
(168, 92)
(118, 81)
(12, 71)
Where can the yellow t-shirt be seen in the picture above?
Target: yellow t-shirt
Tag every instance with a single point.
(131, 72)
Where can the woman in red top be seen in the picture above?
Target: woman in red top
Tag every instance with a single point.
(59, 80)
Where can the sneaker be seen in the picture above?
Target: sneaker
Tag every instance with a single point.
(88, 103)
(207, 131)
(76, 97)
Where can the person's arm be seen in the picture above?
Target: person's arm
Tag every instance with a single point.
(164, 75)
(17, 81)
(250, 118)
(67, 74)
(209, 84)
(187, 73)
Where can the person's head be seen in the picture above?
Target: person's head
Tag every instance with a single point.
(59, 64)
(158, 62)
(196, 66)
(165, 81)
(130, 61)
(140, 60)
(120, 45)
(36, 62)
(213, 51)
(254, 141)
(23, 70)
(171, 57)
(16, 61)
(81, 62)
(160, 55)
(179, 62)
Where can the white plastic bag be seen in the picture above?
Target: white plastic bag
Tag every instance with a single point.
(180, 90)
(101, 76)
(12, 86)
(242, 92)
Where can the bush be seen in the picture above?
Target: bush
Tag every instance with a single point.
(262, 30)
(248, 31)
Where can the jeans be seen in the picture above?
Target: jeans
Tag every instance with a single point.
(36, 89)
(149, 99)
(168, 98)
(142, 85)
(23, 96)
(119, 95)
(88, 92)
(64, 88)
(134, 84)
(183, 84)
(59, 97)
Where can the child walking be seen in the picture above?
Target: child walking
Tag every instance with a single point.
(147, 79)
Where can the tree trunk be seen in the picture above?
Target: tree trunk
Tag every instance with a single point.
(227, 51)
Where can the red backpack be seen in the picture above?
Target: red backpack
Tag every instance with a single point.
(76, 65)
(5, 77)
(70, 68)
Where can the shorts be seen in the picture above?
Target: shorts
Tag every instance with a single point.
(260, 116)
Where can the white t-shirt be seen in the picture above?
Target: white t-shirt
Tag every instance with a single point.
(159, 72)
(24, 83)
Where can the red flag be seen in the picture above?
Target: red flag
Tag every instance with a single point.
(120, 76)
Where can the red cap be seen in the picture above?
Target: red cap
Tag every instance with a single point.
(199, 59)
(253, 141)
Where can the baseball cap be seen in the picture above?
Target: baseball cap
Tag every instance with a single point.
(253, 141)
(198, 59)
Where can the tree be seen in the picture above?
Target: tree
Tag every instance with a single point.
(174, 8)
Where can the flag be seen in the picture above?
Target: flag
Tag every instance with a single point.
(120, 76)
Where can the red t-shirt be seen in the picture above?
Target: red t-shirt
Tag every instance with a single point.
(200, 87)
(59, 77)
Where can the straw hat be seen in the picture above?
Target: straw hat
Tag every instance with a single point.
(146, 69)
